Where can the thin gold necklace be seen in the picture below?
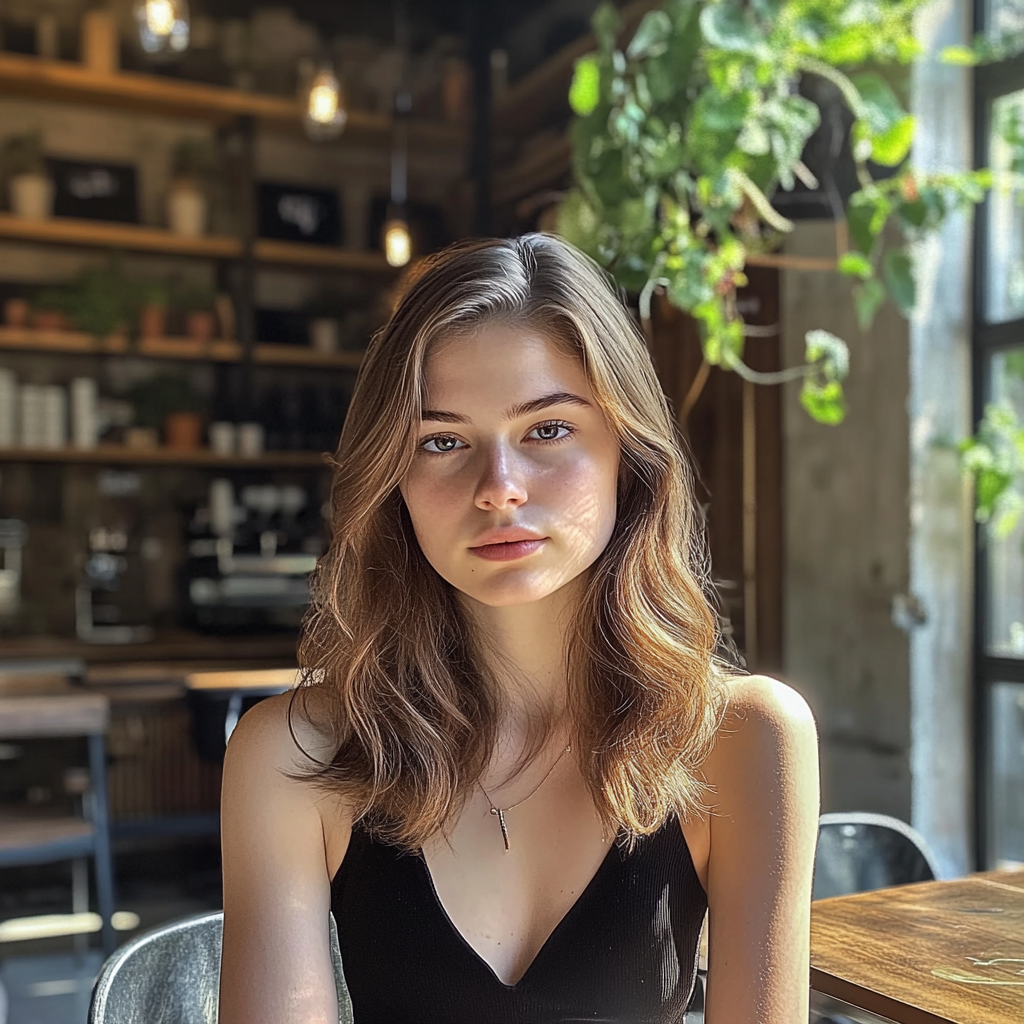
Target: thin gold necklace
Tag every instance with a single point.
(499, 812)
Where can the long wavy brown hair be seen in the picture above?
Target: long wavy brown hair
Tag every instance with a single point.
(387, 651)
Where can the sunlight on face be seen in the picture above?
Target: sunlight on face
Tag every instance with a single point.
(512, 488)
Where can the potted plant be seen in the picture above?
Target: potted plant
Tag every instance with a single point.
(169, 402)
(194, 163)
(101, 301)
(16, 311)
(198, 303)
(47, 310)
(154, 298)
(683, 136)
(29, 185)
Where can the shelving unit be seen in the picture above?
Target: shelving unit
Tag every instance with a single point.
(28, 339)
(139, 238)
(70, 82)
(124, 456)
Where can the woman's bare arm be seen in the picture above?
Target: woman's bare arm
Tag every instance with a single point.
(276, 965)
(764, 826)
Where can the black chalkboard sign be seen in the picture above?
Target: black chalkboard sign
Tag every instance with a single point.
(295, 213)
(93, 190)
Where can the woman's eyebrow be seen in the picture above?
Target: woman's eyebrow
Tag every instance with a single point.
(514, 411)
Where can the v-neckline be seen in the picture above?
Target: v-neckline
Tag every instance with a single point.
(544, 945)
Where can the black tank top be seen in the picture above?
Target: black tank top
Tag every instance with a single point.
(625, 952)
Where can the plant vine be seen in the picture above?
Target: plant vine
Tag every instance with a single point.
(682, 137)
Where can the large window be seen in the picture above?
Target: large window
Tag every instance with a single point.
(998, 336)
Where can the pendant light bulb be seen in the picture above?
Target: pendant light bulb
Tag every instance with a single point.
(163, 26)
(325, 113)
(397, 241)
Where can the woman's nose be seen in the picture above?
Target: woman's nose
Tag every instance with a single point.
(501, 483)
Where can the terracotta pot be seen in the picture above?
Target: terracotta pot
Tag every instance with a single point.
(16, 313)
(183, 430)
(153, 321)
(49, 320)
(199, 325)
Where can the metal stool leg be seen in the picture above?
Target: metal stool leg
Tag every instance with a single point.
(103, 857)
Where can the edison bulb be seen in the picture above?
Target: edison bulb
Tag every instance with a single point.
(397, 242)
(163, 26)
(325, 113)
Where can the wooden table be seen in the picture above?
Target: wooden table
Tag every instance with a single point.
(932, 953)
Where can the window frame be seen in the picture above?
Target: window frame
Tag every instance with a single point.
(990, 82)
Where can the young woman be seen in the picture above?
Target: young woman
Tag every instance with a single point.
(518, 773)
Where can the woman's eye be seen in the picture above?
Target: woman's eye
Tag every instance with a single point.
(552, 431)
(442, 443)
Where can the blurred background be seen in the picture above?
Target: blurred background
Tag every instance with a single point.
(208, 208)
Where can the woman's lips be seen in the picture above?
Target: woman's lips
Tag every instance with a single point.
(508, 551)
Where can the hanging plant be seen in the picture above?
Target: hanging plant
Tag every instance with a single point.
(681, 139)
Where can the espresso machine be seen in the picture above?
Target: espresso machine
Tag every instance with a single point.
(249, 559)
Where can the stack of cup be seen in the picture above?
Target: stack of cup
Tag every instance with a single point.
(54, 403)
(31, 428)
(8, 409)
(85, 424)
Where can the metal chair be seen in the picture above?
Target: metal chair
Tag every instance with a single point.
(860, 851)
(171, 975)
(857, 852)
(29, 838)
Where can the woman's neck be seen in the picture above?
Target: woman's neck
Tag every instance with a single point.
(523, 649)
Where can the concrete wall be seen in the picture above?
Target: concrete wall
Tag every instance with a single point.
(941, 542)
(878, 521)
(846, 537)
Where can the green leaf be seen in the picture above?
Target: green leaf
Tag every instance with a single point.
(962, 55)
(913, 213)
(651, 36)
(727, 26)
(882, 109)
(578, 222)
(605, 23)
(585, 91)
(856, 264)
(828, 354)
(890, 148)
(899, 277)
(824, 402)
(867, 297)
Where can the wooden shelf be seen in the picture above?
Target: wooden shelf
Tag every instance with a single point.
(29, 339)
(121, 455)
(165, 658)
(539, 166)
(109, 235)
(542, 97)
(70, 82)
(139, 238)
(297, 254)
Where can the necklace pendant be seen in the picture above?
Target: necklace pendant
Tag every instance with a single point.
(500, 814)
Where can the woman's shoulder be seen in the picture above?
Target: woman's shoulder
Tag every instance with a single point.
(279, 733)
(765, 703)
(269, 755)
(767, 730)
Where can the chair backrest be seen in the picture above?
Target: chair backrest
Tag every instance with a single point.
(171, 975)
(859, 851)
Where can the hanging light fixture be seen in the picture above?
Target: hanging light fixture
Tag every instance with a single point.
(325, 115)
(397, 240)
(163, 26)
(396, 237)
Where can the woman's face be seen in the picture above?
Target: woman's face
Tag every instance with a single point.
(512, 488)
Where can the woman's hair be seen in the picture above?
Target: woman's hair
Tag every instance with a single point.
(387, 650)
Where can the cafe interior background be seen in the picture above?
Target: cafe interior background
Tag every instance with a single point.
(207, 214)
